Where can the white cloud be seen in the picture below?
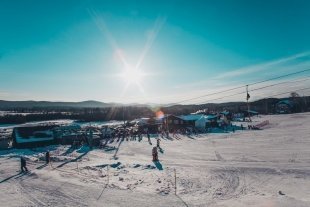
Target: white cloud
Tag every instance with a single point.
(282, 62)
(4, 93)
(259, 72)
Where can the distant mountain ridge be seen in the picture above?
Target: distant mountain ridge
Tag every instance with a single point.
(262, 105)
(100, 111)
(49, 104)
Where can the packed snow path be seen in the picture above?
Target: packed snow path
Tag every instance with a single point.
(269, 167)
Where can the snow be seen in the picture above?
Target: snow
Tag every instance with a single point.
(99, 123)
(269, 167)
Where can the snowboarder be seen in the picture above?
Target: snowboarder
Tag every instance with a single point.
(155, 154)
(47, 157)
(23, 164)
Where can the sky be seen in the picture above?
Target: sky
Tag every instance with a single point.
(152, 51)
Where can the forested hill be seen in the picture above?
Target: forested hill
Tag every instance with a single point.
(263, 106)
(7, 105)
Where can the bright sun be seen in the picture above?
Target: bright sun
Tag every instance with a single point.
(132, 75)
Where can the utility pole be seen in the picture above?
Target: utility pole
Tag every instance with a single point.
(306, 102)
(266, 106)
(124, 114)
(175, 181)
(304, 106)
(247, 100)
(108, 175)
(167, 124)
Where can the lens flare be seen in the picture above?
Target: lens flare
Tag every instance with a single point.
(160, 114)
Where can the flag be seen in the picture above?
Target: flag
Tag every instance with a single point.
(248, 96)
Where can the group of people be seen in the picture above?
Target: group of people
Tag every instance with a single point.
(133, 133)
(122, 133)
(252, 127)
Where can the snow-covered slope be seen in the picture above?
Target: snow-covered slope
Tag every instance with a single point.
(269, 167)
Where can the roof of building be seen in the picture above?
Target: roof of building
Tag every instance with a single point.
(191, 117)
(251, 111)
(287, 102)
(225, 113)
(211, 117)
(33, 134)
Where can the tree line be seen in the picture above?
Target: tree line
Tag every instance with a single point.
(263, 106)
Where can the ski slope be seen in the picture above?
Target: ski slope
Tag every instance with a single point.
(269, 168)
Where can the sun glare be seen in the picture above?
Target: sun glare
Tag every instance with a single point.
(132, 75)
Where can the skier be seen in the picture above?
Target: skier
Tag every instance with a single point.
(23, 164)
(47, 157)
(155, 154)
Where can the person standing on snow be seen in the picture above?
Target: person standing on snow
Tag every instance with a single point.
(23, 164)
(149, 137)
(47, 157)
(158, 142)
(139, 135)
(155, 154)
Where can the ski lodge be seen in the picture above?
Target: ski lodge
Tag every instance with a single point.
(33, 136)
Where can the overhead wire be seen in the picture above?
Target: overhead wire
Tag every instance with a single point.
(271, 85)
(239, 87)
(294, 81)
(301, 89)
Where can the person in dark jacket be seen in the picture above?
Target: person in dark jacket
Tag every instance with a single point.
(47, 157)
(155, 154)
(158, 142)
(23, 164)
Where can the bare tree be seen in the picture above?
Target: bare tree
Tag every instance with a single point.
(298, 104)
(294, 95)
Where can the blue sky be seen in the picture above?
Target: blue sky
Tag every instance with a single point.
(76, 50)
